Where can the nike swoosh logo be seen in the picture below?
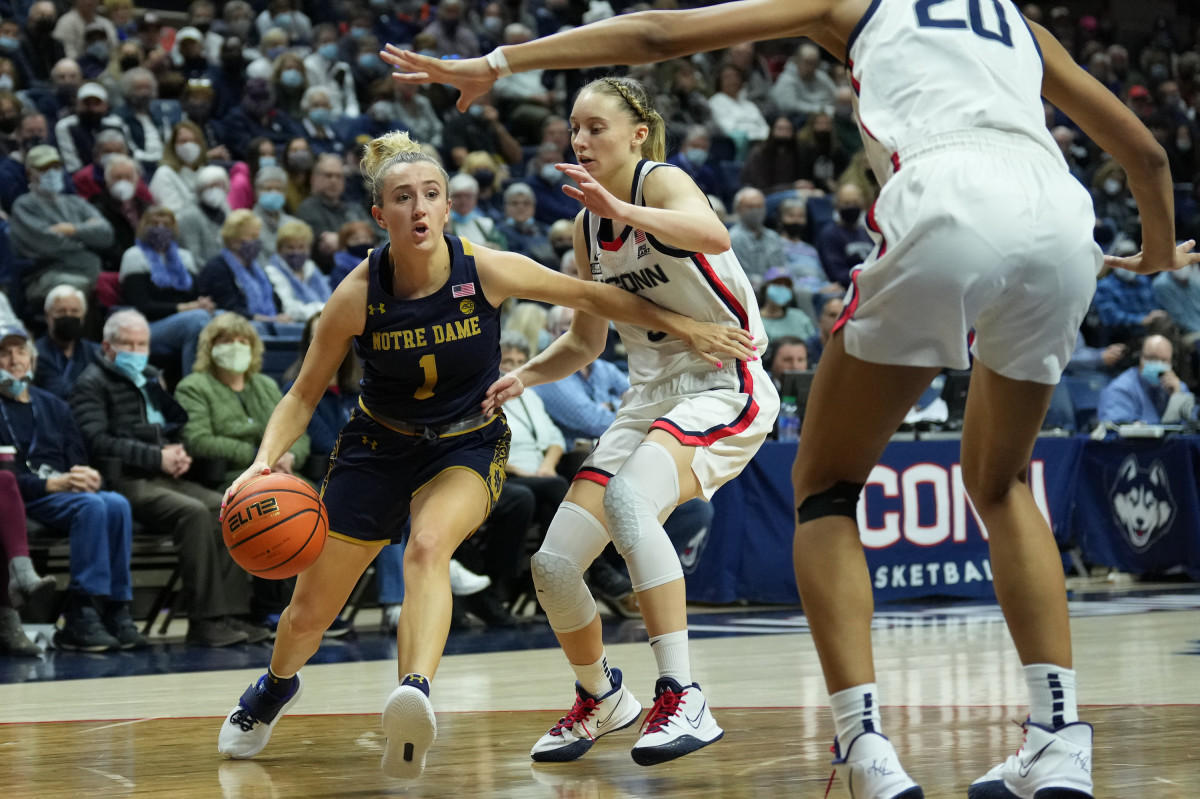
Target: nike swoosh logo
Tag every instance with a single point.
(603, 721)
(695, 722)
(1025, 768)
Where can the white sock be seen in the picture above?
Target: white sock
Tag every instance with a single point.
(20, 569)
(671, 653)
(596, 678)
(1051, 695)
(855, 711)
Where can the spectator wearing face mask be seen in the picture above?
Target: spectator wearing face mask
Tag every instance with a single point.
(143, 118)
(235, 279)
(39, 49)
(822, 158)
(547, 182)
(63, 353)
(270, 187)
(122, 201)
(257, 117)
(829, 309)
(776, 164)
(260, 153)
(1113, 201)
(327, 210)
(1148, 392)
(287, 16)
(481, 128)
(846, 243)
(693, 158)
(62, 234)
(803, 87)
(491, 175)
(355, 240)
(320, 122)
(450, 30)
(467, 220)
(159, 278)
(96, 52)
(801, 258)
(523, 233)
(76, 134)
(297, 163)
(412, 108)
(31, 131)
(1178, 293)
(200, 225)
(1127, 306)
(289, 82)
(324, 67)
(174, 182)
(71, 28)
(89, 181)
(758, 248)
(301, 287)
(777, 301)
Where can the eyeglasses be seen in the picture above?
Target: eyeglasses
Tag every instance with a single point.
(199, 83)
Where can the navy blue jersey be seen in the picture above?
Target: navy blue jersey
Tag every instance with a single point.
(428, 360)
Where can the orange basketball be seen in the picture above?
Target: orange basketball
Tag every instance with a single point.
(275, 526)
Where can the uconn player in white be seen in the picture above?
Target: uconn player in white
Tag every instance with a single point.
(682, 431)
(979, 225)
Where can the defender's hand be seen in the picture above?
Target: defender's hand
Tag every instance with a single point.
(1137, 263)
(471, 76)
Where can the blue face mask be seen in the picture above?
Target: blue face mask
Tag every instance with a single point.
(329, 51)
(266, 161)
(779, 294)
(13, 386)
(9, 43)
(271, 201)
(292, 78)
(51, 181)
(696, 155)
(368, 61)
(132, 364)
(320, 116)
(1152, 371)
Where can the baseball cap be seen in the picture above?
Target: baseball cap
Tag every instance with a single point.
(1139, 91)
(189, 33)
(149, 20)
(92, 90)
(10, 331)
(776, 273)
(41, 157)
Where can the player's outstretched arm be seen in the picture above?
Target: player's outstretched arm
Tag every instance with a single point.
(641, 38)
(1115, 128)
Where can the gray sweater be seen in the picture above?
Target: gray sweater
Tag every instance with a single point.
(57, 258)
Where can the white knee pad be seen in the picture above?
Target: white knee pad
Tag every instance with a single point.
(575, 539)
(638, 496)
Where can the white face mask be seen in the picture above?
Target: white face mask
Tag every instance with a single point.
(123, 190)
(188, 152)
(233, 356)
(213, 197)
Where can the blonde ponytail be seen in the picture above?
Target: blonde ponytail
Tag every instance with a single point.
(384, 152)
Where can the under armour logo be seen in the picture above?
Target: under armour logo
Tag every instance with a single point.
(417, 678)
(371, 309)
(370, 442)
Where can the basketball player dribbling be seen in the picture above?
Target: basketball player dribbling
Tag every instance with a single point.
(978, 225)
(423, 314)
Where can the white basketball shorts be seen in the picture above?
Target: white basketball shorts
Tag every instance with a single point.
(984, 230)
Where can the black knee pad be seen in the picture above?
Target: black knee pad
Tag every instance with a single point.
(840, 499)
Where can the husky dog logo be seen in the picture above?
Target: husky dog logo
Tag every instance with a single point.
(1142, 502)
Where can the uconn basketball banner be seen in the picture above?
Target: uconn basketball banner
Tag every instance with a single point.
(920, 533)
(1138, 503)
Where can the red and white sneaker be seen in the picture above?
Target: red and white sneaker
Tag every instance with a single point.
(590, 717)
(678, 724)
(870, 769)
(1051, 764)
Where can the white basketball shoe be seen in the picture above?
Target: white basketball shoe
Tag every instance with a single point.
(590, 717)
(1051, 764)
(678, 724)
(411, 728)
(248, 726)
(870, 769)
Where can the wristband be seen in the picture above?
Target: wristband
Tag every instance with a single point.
(498, 63)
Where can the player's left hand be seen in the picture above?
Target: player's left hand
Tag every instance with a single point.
(473, 77)
(591, 194)
(712, 342)
(1184, 256)
(508, 387)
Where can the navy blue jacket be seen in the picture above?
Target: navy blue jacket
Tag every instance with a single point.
(57, 441)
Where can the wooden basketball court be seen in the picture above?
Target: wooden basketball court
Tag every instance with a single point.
(949, 680)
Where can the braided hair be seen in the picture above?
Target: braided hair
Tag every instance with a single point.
(637, 100)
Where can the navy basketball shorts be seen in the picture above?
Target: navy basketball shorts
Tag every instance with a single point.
(374, 472)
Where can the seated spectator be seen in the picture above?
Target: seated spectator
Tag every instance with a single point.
(289, 84)
(31, 132)
(1113, 200)
(412, 109)
(75, 135)
(693, 158)
(547, 182)
(829, 309)
(62, 234)
(200, 225)
(779, 163)
(1178, 293)
(144, 118)
(174, 182)
(318, 120)
(757, 247)
(257, 117)
(800, 257)
(228, 400)
(297, 163)
(270, 189)
(326, 210)
(132, 426)
(521, 232)
(199, 105)
(1149, 392)
(491, 175)
(39, 49)
(19, 583)
(63, 353)
(466, 220)
(787, 354)
(482, 130)
(1127, 306)
(89, 181)
(524, 99)
(235, 279)
(325, 69)
(159, 278)
(684, 103)
(260, 155)
(62, 492)
(803, 87)
(737, 116)
(122, 202)
(777, 303)
(846, 243)
(300, 286)
(336, 404)
(355, 240)
(562, 238)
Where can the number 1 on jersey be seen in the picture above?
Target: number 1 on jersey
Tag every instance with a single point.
(429, 367)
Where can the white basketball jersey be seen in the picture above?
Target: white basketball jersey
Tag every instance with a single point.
(924, 67)
(709, 287)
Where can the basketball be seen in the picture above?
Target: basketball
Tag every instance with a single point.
(275, 526)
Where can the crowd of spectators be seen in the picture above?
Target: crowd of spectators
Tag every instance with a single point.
(200, 168)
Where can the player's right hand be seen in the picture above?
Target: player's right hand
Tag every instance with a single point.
(1184, 256)
(471, 76)
(508, 387)
(256, 469)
